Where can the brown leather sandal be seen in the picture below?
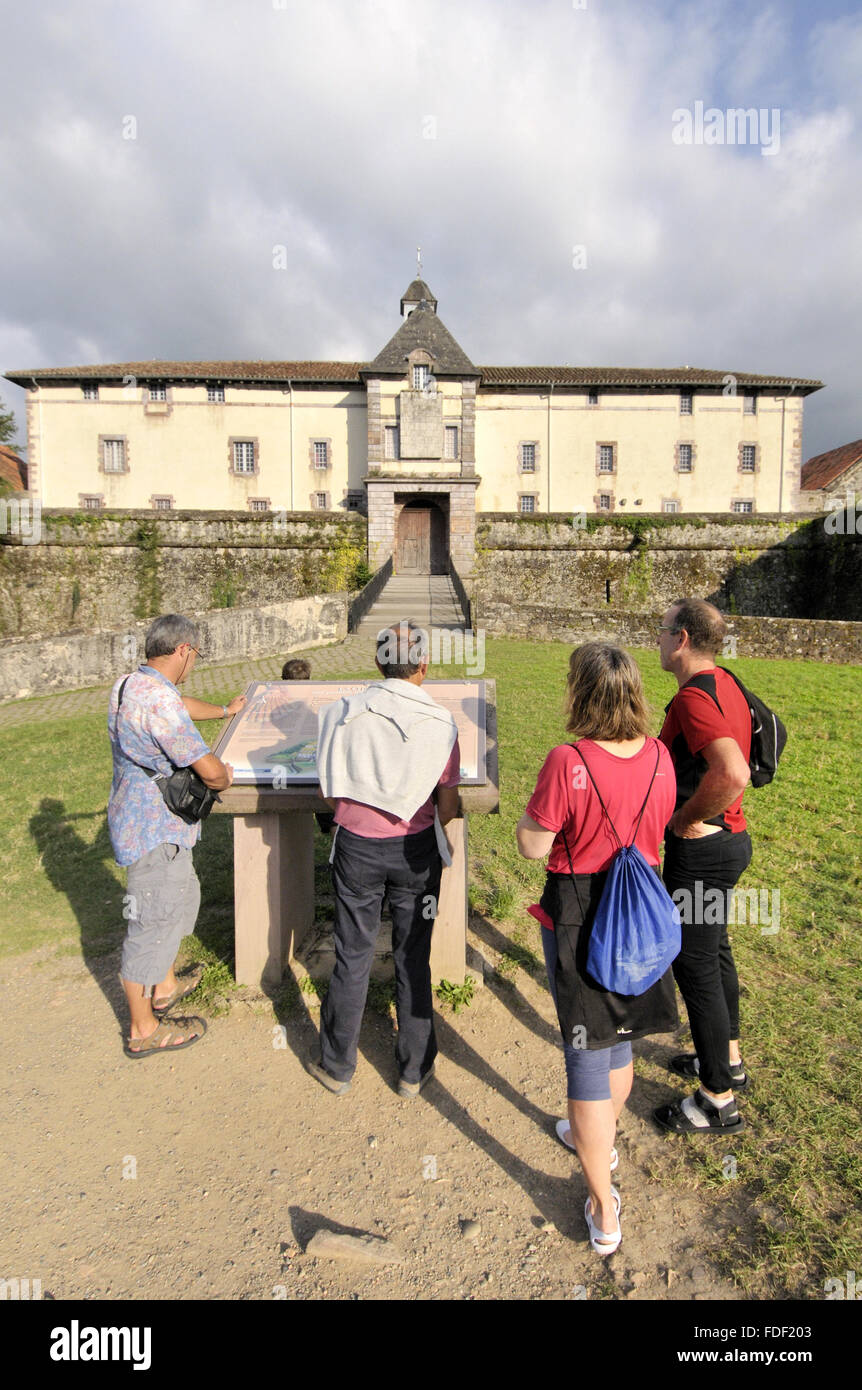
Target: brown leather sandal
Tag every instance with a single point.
(159, 1043)
(186, 984)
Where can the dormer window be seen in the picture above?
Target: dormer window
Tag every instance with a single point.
(421, 377)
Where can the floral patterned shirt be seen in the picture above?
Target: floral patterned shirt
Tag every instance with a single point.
(152, 729)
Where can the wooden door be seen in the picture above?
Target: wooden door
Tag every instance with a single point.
(414, 541)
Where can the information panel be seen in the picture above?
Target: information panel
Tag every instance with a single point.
(274, 737)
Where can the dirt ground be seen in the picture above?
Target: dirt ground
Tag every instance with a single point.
(206, 1175)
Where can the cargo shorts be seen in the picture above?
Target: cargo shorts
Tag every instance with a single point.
(163, 896)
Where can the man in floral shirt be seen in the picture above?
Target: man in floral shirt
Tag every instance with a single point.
(150, 727)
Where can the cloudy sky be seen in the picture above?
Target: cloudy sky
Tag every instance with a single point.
(154, 153)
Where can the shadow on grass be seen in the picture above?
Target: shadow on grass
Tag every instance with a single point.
(506, 992)
(78, 870)
(213, 858)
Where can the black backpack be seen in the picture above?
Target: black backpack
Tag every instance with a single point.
(768, 734)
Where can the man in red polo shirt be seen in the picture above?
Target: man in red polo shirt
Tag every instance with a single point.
(707, 729)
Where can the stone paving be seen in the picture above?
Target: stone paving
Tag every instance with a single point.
(427, 599)
(352, 657)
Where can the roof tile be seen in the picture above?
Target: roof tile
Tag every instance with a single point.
(823, 469)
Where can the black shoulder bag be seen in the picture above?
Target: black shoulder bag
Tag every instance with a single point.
(185, 794)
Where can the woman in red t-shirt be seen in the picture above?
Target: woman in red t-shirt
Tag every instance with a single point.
(609, 717)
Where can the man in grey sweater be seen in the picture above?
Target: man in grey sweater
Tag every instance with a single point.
(389, 763)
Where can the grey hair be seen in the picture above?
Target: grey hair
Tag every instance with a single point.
(169, 632)
(401, 649)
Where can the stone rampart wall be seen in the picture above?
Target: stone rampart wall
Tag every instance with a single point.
(102, 570)
(74, 660)
(775, 566)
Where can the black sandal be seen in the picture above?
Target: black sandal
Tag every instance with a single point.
(686, 1065)
(724, 1119)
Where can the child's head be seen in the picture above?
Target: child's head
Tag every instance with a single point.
(297, 670)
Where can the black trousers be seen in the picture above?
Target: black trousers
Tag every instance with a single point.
(408, 870)
(707, 870)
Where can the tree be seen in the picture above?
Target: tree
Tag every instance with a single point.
(8, 428)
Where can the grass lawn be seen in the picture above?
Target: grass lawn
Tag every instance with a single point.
(799, 1163)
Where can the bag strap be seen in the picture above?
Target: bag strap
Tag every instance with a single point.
(604, 807)
(151, 772)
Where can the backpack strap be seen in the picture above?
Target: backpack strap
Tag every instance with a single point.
(604, 807)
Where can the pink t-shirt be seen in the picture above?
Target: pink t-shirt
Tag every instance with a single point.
(374, 824)
(565, 799)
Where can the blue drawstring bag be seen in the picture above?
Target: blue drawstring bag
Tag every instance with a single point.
(636, 932)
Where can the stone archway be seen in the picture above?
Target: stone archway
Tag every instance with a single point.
(421, 539)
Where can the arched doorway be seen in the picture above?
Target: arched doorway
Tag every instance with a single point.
(420, 542)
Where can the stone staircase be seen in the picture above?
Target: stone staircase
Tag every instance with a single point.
(428, 599)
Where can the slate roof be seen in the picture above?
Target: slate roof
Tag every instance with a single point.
(423, 329)
(416, 290)
(299, 372)
(636, 376)
(12, 469)
(823, 469)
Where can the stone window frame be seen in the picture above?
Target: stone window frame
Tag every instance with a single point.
(356, 496)
(689, 444)
(535, 446)
(387, 427)
(114, 439)
(317, 506)
(231, 456)
(748, 444)
(742, 506)
(613, 446)
(752, 409)
(160, 405)
(312, 454)
(90, 390)
(597, 501)
(161, 497)
(456, 426)
(421, 357)
(528, 497)
(689, 397)
(253, 504)
(671, 505)
(214, 386)
(86, 497)
(593, 400)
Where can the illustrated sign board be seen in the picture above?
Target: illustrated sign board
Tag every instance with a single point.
(273, 740)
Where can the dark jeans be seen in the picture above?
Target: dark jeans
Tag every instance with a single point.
(408, 870)
(707, 870)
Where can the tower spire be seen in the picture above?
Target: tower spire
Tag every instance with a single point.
(418, 262)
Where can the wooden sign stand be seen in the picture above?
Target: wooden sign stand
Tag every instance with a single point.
(273, 847)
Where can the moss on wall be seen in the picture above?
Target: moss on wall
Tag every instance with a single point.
(95, 569)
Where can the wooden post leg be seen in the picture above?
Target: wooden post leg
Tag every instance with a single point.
(273, 892)
(449, 941)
